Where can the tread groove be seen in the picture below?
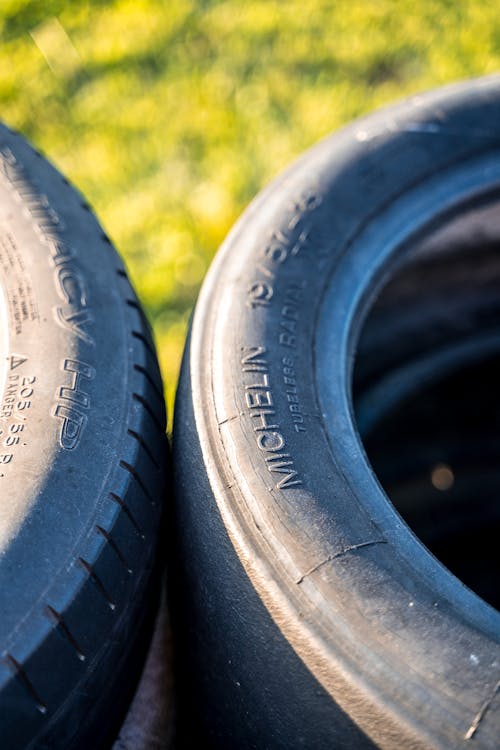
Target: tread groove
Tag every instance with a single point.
(133, 473)
(117, 499)
(57, 619)
(151, 381)
(17, 670)
(114, 547)
(97, 582)
(146, 342)
(149, 410)
(133, 303)
(143, 445)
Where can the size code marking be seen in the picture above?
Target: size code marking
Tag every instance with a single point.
(292, 241)
(16, 404)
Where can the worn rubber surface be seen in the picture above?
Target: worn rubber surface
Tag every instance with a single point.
(308, 614)
(82, 466)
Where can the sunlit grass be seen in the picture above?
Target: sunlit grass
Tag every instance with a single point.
(170, 116)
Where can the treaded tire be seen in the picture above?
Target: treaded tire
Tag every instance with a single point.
(308, 614)
(83, 461)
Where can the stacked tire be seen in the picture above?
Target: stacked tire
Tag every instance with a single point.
(82, 467)
(309, 613)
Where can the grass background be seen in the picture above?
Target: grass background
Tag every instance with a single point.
(170, 116)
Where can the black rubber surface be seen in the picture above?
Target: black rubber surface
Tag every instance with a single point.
(308, 613)
(83, 460)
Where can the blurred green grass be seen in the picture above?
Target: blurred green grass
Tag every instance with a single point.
(170, 116)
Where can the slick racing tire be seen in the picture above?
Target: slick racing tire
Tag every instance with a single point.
(309, 615)
(82, 466)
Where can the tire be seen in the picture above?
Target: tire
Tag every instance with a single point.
(308, 613)
(82, 436)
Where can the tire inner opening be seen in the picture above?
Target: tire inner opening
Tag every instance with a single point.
(426, 398)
